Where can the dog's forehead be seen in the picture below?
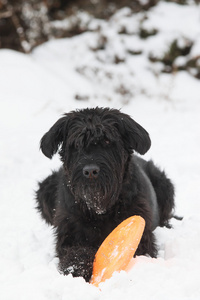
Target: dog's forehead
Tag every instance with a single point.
(87, 120)
(91, 124)
(91, 120)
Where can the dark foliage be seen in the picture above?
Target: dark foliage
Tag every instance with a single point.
(26, 24)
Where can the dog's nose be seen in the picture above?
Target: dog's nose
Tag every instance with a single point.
(91, 171)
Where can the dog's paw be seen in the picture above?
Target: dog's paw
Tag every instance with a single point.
(78, 261)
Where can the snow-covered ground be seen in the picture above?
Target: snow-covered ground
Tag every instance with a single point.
(66, 74)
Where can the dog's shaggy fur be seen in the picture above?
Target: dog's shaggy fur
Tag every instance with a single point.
(100, 184)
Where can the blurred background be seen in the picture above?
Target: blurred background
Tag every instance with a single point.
(27, 24)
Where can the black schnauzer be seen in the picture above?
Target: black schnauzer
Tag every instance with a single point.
(100, 184)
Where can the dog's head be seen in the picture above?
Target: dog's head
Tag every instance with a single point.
(95, 147)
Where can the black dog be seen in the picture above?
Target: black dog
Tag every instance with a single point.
(100, 184)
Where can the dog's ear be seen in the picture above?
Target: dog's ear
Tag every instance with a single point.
(135, 137)
(51, 141)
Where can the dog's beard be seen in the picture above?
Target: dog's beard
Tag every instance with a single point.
(97, 196)
(93, 198)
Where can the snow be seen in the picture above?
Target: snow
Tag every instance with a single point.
(37, 89)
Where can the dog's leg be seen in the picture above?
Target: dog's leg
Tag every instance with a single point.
(147, 245)
(164, 190)
(78, 261)
(74, 247)
(46, 197)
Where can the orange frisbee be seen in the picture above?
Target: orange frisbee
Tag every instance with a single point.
(117, 250)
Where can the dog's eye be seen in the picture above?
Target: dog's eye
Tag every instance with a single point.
(107, 142)
(77, 145)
